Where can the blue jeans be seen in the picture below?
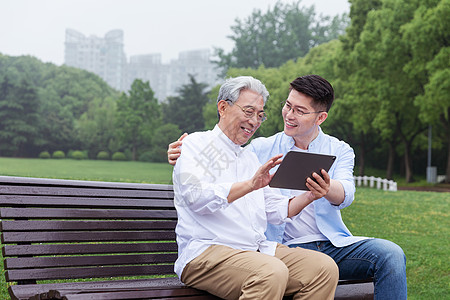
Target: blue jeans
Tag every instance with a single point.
(381, 259)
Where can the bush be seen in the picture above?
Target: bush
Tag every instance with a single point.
(119, 156)
(78, 155)
(103, 155)
(58, 154)
(44, 154)
(158, 154)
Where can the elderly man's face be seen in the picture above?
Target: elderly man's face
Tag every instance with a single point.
(234, 123)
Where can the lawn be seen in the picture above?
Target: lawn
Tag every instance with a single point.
(417, 221)
(97, 170)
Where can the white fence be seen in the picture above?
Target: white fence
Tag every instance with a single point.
(371, 181)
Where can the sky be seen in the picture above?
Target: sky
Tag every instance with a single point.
(37, 27)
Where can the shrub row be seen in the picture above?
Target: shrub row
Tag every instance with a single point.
(77, 154)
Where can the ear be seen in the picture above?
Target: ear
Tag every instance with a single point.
(321, 117)
(221, 107)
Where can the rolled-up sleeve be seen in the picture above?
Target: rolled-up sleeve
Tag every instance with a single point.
(276, 206)
(343, 172)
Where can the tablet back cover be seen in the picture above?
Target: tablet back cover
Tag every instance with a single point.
(296, 167)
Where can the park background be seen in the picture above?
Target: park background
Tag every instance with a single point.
(388, 60)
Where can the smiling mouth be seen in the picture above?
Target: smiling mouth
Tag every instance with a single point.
(247, 131)
(290, 124)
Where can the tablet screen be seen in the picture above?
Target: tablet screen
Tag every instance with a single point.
(296, 167)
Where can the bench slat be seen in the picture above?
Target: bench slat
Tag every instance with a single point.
(141, 294)
(29, 181)
(84, 192)
(86, 272)
(85, 225)
(173, 283)
(69, 236)
(48, 201)
(34, 213)
(81, 261)
(67, 249)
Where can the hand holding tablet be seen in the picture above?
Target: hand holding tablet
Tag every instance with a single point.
(296, 167)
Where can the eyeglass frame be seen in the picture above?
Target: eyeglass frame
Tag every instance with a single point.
(298, 112)
(264, 118)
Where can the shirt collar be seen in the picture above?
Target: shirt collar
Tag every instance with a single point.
(315, 144)
(235, 148)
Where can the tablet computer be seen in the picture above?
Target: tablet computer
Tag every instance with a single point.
(296, 167)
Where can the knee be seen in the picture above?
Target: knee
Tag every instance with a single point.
(275, 273)
(393, 257)
(328, 268)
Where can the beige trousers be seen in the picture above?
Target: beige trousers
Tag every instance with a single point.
(236, 274)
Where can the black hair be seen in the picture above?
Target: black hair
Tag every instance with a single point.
(317, 88)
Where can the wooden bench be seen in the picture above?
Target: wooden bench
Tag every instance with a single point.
(67, 239)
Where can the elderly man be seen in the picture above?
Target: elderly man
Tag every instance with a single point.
(224, 205)
(320, 227)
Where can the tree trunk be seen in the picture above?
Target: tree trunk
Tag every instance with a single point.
(408, 163)
(390, 162)
(134, 153)
(447, 171)
(362, 156)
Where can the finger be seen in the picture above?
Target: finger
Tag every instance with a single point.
(174, 156)
(183, 136)
(174, 145)
(318, 179)
(326, 176)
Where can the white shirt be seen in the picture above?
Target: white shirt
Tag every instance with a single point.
(305, 229)
(202, 177)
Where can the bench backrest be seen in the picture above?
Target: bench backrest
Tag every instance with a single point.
(64, 229)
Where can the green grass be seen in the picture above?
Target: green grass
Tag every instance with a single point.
(417, 221)
(97, 170)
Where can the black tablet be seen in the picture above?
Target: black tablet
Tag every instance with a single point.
(296, 167)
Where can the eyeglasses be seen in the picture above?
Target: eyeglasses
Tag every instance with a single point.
(297, 111)
(250, 111)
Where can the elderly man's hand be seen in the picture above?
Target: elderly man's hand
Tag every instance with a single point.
(174, 150)
(262, 177)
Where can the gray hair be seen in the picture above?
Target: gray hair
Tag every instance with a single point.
(232, 87)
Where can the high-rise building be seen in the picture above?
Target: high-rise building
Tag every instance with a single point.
(102, 56)
(166, 79)
(106, 58)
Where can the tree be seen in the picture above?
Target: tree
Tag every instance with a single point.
(138, 115)
(186, 109)
(428, 38)
(18, 116)
(163, 136)
(283, 33)
(96, 127)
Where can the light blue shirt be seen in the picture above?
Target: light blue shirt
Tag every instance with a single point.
(328, 216)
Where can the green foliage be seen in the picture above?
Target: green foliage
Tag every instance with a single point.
(44, 154)
(58, 154)
(119, 156)
(186, 109)
(137, 116)
(77, 154)
(164, 135)
(210, 109)
(19, 105)
(39, 104)
(96, 127)
(103, 155)
(285, 32)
